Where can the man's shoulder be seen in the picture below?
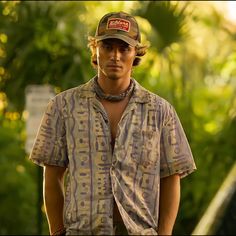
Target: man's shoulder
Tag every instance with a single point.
(151, 97)
(82, 90)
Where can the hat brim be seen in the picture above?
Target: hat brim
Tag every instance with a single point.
(124, 38)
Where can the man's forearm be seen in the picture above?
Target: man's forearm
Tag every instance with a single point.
(169, 204)
(54, 198)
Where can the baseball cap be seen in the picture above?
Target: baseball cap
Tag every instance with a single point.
(119, 25)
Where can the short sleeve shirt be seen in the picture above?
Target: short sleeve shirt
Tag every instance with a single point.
(150, 144)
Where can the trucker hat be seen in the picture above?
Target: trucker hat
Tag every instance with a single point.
(119, 25)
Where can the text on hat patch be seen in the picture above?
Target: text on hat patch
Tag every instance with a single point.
(118, 24)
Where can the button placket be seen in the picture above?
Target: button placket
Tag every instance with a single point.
(122, 123)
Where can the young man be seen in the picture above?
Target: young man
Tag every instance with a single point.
(121, 147)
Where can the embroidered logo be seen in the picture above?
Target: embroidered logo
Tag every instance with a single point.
(118, 24)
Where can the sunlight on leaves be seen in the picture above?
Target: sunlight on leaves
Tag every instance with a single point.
(12, 116)
(3, 38)
(20, 168)
(211, 127)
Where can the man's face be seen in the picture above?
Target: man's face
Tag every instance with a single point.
(115, 59)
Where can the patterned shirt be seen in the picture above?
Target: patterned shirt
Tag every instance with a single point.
(150, 144)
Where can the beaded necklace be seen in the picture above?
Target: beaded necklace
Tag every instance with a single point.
(113, 98)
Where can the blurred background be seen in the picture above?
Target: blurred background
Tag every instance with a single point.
(191, 62)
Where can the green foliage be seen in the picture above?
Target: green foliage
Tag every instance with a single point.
(47, 46)
(18, 188)
(168, 22)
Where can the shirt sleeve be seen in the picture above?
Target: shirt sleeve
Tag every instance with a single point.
(50, 144)
(175, 152)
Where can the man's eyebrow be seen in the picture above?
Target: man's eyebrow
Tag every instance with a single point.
(126, 45)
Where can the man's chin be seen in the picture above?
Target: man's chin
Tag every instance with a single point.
(113, 77)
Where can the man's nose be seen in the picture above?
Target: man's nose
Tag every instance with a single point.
(115, 54)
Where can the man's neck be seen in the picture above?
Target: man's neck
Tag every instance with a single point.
(113, 86)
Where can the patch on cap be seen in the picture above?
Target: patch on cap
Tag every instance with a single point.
(118, 24)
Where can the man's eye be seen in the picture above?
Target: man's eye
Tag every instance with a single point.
(125, 49)
(107, 46)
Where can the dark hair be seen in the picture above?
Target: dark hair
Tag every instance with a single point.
(92, 44)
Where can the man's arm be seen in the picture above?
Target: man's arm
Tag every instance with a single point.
(53, 192)
(169, 203)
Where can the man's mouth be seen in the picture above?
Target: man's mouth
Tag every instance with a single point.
(114, 66)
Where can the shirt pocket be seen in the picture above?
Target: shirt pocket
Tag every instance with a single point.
(146, 148)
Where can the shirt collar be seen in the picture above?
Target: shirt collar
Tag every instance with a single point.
(141, 95)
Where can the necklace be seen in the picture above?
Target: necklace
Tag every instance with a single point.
(113, 98)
